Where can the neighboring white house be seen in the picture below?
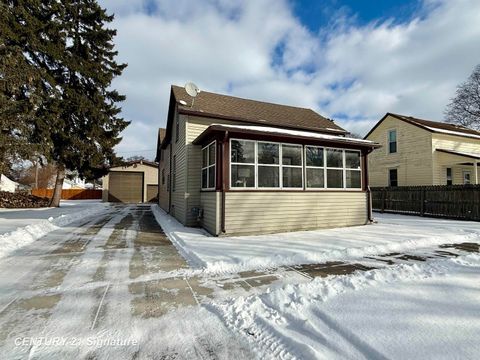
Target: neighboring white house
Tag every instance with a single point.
(6, 184)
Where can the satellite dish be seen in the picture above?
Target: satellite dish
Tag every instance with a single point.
(192, 89)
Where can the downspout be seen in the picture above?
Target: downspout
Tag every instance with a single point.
(225, 162)
(367, 186)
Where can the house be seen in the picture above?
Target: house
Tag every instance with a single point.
(422, 152)
(136, 182)
(239, 166)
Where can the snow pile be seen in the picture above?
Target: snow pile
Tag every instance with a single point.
(6, 184)
(25, 235)
(392, 233)
(403, 311)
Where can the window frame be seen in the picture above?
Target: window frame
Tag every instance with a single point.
(214, 143)
(465, 172)
(236, 188)
(388, 141)
(301, 166)
(449, 177)
(389, 177)
(315, 167)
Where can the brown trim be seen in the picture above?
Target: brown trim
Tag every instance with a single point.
(295, 191)
(249, 121)
(225, 177)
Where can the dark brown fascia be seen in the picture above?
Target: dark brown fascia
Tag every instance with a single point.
(216, 131)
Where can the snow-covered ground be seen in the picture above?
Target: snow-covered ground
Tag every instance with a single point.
(392, 233)
(19, 227)
(428, 311)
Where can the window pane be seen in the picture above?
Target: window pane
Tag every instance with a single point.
(393, 177)
(292, 177)
(243, 151)
(334, 158)
(392, 136)
(211, 154)
(291, 155)
(204, 179)
(314, 156)
(268, 153)
(268, 176)
(211, 177)
(352, 159)
(392, 147)
(204, 157)
(315, 178)
(243, 175)
(353, 179)
(335, 178)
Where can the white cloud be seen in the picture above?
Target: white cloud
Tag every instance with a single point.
(258, 49)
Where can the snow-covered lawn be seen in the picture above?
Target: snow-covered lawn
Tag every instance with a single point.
(19, 227)
(428, 311)
(392, 233)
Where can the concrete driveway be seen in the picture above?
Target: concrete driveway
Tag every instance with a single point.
(111, 278)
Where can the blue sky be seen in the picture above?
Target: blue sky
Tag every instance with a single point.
(348, 60)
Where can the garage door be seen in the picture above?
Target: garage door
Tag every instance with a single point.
(126, 187)
(152, 192)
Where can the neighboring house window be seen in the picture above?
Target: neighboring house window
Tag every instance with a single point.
(242, 160)
(314, 167)
(393, 177)
(449, 176)
(208, 166)
(292, 166)
(467, 176)
(177, 126)
(174, 172)
(163, 176)
(392, 141)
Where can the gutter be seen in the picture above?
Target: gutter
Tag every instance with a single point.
(170, 181)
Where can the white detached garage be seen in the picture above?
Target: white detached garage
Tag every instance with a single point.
(135, 182)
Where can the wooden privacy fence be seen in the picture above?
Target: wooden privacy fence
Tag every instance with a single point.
(456, 201)
(70, 194)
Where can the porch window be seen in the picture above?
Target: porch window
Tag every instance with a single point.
(314, 167)
(268, 158)
(393, 177)
(392, 141)
(335, 165)
(353, 172)
(449, 176)
(292, 169)
(467, 177)
(208, 166)
(242, 158)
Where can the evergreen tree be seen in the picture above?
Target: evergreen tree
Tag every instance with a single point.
(77, 121)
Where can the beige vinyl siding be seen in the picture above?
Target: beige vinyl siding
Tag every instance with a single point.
(195, 126)
(210, 203)
(413, 160)
(443, 160)
(269, 212)
(150, 177)
(179, 150)
(163, 193)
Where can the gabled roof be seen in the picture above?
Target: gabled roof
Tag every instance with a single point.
(432, 126)
(233, 108)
